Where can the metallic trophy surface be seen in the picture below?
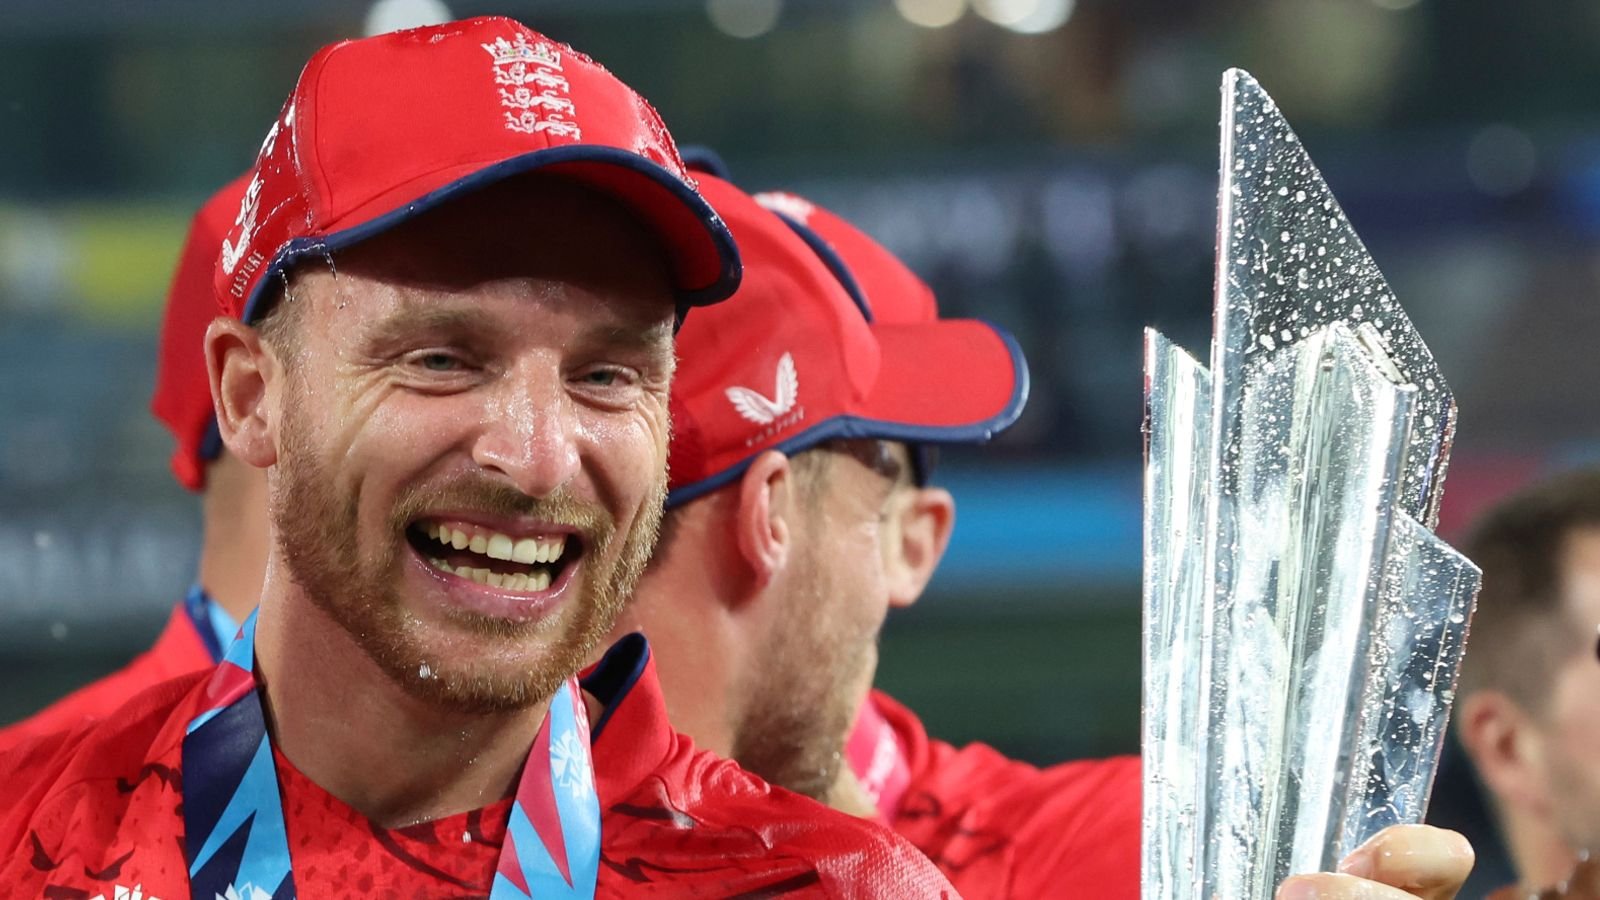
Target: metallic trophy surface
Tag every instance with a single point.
(1303, 625)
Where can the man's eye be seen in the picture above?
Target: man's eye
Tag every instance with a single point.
(439, 362)
(601, 377)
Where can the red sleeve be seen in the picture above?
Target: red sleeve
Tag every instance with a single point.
(1083, 837)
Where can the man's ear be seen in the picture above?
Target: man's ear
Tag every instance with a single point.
(918, 532)
(242, 369)
(1505, 747)
(763, 520)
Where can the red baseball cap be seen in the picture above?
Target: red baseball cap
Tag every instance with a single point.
(886, 290)
(182, 398)
(381, 129)
(799, 360)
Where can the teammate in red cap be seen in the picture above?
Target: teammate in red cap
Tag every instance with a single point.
(452, 282)
(233, 550)
(798, 516)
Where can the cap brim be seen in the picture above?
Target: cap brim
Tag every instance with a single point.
(951, 381)
(699, 248)
(945, 381)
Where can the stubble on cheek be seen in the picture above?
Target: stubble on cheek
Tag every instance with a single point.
(317, 525)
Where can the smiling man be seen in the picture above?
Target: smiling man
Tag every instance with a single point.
(450, 295)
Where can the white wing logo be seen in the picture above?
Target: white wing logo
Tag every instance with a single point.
(759, 409)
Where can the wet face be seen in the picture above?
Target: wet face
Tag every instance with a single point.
(472, 438)
(821, 653)
(1571, 721)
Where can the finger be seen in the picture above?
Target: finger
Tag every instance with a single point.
(1338, 886)
(1584, 883)
(1426, 862)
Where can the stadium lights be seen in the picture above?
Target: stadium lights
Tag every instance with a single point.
(931, 13)
(1026, 16)
(744, 18)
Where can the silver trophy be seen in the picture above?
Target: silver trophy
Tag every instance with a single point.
(1303, 625)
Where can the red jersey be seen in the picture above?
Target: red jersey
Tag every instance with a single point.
(1001, 828)
(97, 812)
(178, 651)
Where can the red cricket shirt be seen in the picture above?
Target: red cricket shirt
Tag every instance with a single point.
(1001, 828)
(177, 651)
(97, 809)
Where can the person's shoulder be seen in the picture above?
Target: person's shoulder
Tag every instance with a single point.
(1075, 823)
(977, 776)
(853, 856)
(59, 770)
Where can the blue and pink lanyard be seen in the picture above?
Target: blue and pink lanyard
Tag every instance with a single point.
(212, 624)
(236, 844)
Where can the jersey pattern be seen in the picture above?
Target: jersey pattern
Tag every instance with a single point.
(99, 814)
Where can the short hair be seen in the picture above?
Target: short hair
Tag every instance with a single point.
(1522, 631)
(813, 470)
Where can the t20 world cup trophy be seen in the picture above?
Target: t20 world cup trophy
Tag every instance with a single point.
(1303, 625)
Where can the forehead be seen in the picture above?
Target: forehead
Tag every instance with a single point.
(531, 235)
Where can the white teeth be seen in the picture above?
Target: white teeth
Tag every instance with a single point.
(481, 576)
(539, 581)
(440, 564)
(518, 582)
(525, 551)
(499, 546)
(458, 540)
(495, 579)
(550, 550)
(479, 544)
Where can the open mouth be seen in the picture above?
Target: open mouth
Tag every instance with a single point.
(526, 563)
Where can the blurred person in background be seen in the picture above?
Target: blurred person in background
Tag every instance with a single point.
(799, 515)
(1528, 710)
(449, 343)
(233, 550)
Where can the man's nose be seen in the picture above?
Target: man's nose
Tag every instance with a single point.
(529, 433)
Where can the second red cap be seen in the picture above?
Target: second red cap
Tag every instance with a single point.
(795, 360)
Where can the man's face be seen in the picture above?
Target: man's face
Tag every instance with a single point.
(1571, 720)
(473, 434)
(821, 652)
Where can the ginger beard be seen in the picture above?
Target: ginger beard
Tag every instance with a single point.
(317, 526)
(814, 663)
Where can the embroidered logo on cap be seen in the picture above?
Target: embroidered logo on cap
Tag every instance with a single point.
(760, 410)
(532, 86)
(797, 208)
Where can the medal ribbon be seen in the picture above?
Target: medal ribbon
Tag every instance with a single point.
(236, 844)
(212, 624)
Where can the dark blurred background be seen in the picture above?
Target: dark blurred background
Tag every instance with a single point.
(1046, 164)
